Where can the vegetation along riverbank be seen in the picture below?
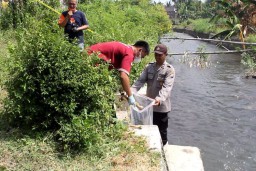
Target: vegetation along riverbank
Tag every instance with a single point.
(56, 106)
(224, 20)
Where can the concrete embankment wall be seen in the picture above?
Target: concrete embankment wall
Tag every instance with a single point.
(173, 157)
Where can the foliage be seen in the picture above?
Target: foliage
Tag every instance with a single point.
(125, 21)
(249, 61)
(193, 9)
(251, 38)
(20, 152)
(238, 16)
(3, 57)
(18, 14)
(53, 87)
(203, 25)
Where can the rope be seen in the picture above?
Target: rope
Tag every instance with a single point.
(47, 6)
(217, 52)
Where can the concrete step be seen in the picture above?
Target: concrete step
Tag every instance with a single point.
(153, 139)
(174, 157)
(183, 158)
(151, 133)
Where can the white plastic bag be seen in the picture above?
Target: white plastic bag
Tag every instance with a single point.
(145, 115)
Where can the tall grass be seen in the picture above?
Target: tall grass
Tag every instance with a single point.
(5, 39)
(25, 153)
(203, 25)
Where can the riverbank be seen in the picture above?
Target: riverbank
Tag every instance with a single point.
(213, 108)
(173, 156)
(196, 34)
(247, 60)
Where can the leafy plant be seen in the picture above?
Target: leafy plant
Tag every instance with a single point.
(249, 61)
(191, 10)
(237, 15)
(54, 87)
(18, 13)
(124, 21)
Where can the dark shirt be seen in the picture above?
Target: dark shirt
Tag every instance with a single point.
(78, 19)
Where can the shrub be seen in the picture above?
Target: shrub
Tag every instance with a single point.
(54, 87)
(126, 21)
(18, 14)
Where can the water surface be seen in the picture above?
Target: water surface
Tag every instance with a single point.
(213, 109)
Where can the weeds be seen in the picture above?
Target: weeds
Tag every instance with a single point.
(201, 61)
(249, 62)
(19, 152)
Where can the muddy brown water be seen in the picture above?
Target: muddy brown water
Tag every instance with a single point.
(214, 108)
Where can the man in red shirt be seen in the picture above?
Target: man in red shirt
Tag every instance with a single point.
(121, 56)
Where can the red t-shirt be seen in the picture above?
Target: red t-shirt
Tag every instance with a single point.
(118, 54)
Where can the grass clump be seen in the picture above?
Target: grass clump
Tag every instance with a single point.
(20, 152)
(203, 25)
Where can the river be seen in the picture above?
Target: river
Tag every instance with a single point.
(213, 108)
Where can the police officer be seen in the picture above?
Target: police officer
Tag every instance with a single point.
(159, 77)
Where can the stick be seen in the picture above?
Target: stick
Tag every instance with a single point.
(217, 52)
(211, 40)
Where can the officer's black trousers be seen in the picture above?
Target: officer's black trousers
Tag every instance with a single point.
(161, 120)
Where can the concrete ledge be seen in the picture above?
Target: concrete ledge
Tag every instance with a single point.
(183, 158)
(153, 138)
(173, 157)
(151, 133)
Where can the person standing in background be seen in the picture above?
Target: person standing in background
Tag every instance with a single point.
(159, 77)
(74, 22)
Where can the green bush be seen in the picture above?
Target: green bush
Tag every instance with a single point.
(18, 14)
(125, 22)
(203, 25)
(53, 86)
(251, 38)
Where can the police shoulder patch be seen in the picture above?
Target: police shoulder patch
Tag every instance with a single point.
(169, 66)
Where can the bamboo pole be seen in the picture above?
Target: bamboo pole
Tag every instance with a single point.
(216, 52)
(211, 40)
